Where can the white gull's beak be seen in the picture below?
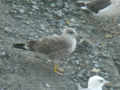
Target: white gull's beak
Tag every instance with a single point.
(107, 83)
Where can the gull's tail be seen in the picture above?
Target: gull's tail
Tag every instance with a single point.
(20, 46)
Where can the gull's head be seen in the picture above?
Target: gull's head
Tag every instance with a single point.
(97, 82)
(70, 31)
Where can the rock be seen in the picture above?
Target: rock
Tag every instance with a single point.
(35, 7)
(47, 85)
(21, 11)
(52, 5)
(95, 70)
(59, 13)
(108, 36)
(60, 3)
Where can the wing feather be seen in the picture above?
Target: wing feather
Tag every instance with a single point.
(48, 44)
(98, 4)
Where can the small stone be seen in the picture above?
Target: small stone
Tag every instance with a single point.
(47, 85)
(21, 11)
(42, 26)
(52, 5)
(6, 11)
(61, 22)
(96, 65)
(59, 13)
(18, 17)
(35, 7)
(77, 62)
(3, 53)
(108, 36)
(67, 22)
(119, 24)
(27, 22)
(72, 20)
(33, 2)
(36, 37)
(2, 89)
(79, 68)
(60, 3)
(7, 29)
(95, 70)
(66, 5)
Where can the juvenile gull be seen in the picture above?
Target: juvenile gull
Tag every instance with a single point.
(95, 5)
(95, 83)
(112, 9)
(55, 46)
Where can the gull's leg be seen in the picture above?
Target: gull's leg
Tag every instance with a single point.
(55, 67)
(58, 70)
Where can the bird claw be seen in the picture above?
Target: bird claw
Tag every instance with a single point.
(58, 70)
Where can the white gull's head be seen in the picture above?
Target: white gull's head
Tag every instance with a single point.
(97, 82)
(70, 31)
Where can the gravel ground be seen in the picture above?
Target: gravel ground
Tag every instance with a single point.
(98, 48)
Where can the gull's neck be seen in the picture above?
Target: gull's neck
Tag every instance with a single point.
(71, 40)
(67, 36)
(95, 88)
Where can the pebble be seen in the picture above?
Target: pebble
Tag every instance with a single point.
(59, 13)
(27, 22)
(19, 17)
(36, 37)
(2, 52)
(42, 26)
(96, 65)
(67, 22)
(77, 62)
(108, 36)
(119, 24)
(35, 7)
(95, 70)
(60, 3)
(66, 5)
(61, 23)
(72, 20)
(7, 29)
(34, 2)
(47, 85)
(52, 5)
(2, 89)
(21, 11)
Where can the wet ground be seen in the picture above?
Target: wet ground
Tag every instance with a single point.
(98, 48)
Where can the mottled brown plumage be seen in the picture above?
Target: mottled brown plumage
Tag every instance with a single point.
(55, 46)
(96, 5)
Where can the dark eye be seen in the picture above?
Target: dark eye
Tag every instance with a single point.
(70, 32)
(101, 81)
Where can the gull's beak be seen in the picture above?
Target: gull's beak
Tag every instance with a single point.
(108, 83)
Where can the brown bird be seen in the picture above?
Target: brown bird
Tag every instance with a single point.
(102, 8)
(55, 46)
(112, 11)
(95, 5)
